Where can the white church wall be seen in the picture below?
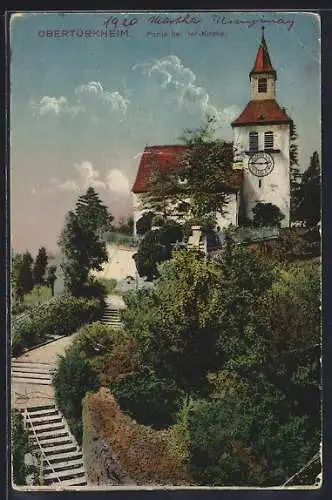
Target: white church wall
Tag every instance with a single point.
(231, 212)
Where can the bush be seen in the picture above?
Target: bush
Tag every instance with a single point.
(147, 398)
(94, 289)
(59, 316)
(72, 379)
(96, 339)
(267, 214)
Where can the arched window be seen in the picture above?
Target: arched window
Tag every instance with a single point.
(262, 85)
(268, 140)
(253, 141)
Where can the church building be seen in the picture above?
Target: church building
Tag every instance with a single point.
(261, 138)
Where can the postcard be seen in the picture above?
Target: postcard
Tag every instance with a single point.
(165, 181)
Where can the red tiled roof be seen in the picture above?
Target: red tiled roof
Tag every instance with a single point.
(166, 157)
(263, 62)
(263, 112)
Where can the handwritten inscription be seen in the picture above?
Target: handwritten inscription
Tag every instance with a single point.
(250, 23)
(118, 22)
(118, 26)
(179, 19)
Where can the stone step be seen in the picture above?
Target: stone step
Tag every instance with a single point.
(51, 433)
(32, 381)
(69, 473)
(63, 457)
(38, 409)
(53, 441)
(71, 464)
(32, 375)
(53, 450)
(32, 365)
(43, 428)
(79, 481)
(51, 411)
(31, 369)
(49, 419)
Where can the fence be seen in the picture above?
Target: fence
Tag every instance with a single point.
(122, 239)
(252, 234)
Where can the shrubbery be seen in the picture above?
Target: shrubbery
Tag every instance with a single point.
(72, 379)
(59, 316)
(21, 446)
(148, 398)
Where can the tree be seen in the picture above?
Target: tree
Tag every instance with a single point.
(267, 214)
(200, 175)
(23, 271)
(309, 205)
(51, 278)
(39, 268)
(17, 288)
(92, 213)
(156, 247)
(144, 223)
(174, 324)
(295, 175)
(81, 242)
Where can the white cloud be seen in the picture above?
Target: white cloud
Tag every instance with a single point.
(68, 185)
(88, 175)
(55, 105)
(114, 181)
(117, 182)
(175, 76)
(95, 89)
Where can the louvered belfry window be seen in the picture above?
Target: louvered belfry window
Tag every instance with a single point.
(262, 85)
(268, 140)
(253, 141)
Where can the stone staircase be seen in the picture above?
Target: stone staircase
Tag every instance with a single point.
(111, 314)
(32, 372)
(62, 460)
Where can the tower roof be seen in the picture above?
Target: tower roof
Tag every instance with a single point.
(265, 112)
(263, 61)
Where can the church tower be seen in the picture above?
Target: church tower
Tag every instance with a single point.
(261, 141)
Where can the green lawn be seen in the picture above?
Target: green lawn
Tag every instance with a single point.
(38, 295)
(109, 284)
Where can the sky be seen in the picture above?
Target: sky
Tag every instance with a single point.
(90, 90)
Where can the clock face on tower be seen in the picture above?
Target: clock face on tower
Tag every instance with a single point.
(261, 164)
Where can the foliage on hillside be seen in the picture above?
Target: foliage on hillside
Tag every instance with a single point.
(144, 453)
(59, 316)
(223, 355)
(243, 338)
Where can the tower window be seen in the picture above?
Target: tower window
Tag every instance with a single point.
(253, 141)
(262, 84)
(260, 183)
(268, 140)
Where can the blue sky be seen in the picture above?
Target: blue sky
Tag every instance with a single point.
(84, 107)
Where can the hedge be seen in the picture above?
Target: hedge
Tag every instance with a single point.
(59, 316)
